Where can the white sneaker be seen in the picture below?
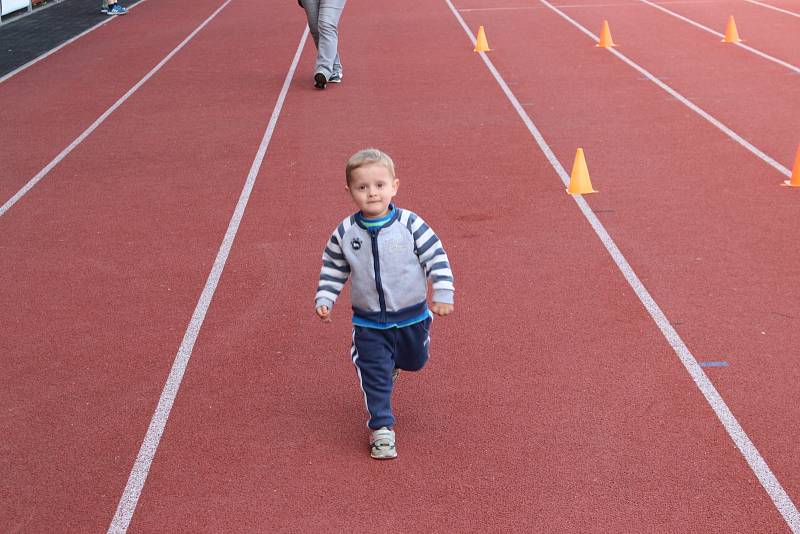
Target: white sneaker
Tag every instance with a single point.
(382, 444)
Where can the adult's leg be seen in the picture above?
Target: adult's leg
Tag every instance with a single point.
(312, 14)
(328, 62)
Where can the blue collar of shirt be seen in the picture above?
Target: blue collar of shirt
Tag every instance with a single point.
(381, 222)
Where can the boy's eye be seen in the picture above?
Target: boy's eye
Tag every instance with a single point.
(380, 186)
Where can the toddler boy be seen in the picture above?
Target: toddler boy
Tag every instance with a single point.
(388, 253)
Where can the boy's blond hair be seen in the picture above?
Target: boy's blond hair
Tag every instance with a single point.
(368, 156)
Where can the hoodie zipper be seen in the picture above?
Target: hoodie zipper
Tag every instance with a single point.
(373, 234)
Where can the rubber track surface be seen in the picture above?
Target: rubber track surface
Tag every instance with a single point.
(552, 403)
(103, 261)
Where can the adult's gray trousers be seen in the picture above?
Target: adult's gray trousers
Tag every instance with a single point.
(323, 21)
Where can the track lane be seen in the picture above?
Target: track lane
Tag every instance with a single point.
(101, 270)
(756, 98)
(722, 36)
(787, 8)
(702, 222)
(138, 476)
(536, 412)
(770, 31)
(59, 97)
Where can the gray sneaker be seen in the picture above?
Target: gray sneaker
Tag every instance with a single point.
(336, 77)
(382, 444)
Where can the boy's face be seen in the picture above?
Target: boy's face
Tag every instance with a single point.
(372, 189)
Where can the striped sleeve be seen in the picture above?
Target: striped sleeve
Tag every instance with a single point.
(335, 269)
(432, 256)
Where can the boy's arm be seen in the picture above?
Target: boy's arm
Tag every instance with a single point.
(334, 273)
(434, 260)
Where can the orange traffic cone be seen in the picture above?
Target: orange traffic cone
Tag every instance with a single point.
(579, 182)
(795, 180)
(481, 45)
(731, 33)
(605, 37)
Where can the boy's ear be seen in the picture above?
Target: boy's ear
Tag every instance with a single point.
(396, 184)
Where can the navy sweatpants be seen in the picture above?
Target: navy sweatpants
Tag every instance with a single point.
(376, 353)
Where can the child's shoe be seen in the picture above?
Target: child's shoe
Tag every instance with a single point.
(382, 444)
(336, 77)
(320, 80)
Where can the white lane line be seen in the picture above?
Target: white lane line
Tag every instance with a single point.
(141, 467)
(78, 140)
(62, 45)
(748, 450)
(497, 8)
(528, 8)
(720, 35)
(679, 97)
(786, 11)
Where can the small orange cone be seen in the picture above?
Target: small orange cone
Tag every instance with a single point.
(731, 33)
(605, 37)
(795, 180)
(579, 182)
(481, 45)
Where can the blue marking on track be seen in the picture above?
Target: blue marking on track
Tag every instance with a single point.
(713, 364)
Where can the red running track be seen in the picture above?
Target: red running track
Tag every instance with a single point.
(762, 28)
(102, 263)
(56, 100)
(701, 220)
(754, 97)
(552, 402)
(333, 489)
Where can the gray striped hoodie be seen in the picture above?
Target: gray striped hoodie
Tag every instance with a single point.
(388, 261)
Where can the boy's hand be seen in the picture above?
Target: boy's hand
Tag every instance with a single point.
(441, 309)
(324, 313)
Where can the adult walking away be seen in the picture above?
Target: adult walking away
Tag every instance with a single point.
(323, 21)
